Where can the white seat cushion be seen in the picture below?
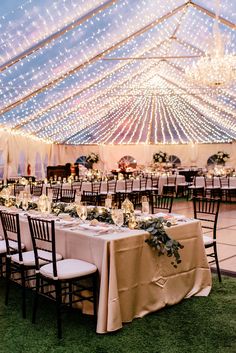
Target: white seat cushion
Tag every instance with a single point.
(69, 268)
(29, 259)
(12, 244)
(208, 240)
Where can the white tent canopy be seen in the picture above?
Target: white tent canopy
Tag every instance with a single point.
(84, 72)
(104, 73)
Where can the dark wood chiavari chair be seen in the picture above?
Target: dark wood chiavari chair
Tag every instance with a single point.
(67, 195)
(207, 210)
(64, 276)
(18, 261)
(195, 190)
(36, 190)
(90, 198)
(18, 188)
(161, 203)
(54, 193)
(211, 189)
(170, 187)
(228, 192)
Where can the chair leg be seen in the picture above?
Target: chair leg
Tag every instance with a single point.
(35, 305)
(8, 276)
(95, 299)
(23, 293)
(1, 267)
(217, 263)
(58, 308)
(70, 294)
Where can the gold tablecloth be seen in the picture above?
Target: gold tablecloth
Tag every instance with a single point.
(135, 281)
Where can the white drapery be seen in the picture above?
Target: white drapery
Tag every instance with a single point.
(17, 152)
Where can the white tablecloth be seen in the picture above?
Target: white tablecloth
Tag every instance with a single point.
(87, 186)
(200, 181)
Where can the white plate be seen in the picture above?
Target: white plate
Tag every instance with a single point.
(97, 228)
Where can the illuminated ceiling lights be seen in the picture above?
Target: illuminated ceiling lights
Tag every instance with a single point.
(216, 68)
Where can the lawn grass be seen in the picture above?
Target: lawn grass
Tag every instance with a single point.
(196, 325)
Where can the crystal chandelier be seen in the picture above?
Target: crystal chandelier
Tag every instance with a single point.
(217, 68)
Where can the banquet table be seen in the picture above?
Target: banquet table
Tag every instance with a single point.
(200, 181)
(134, 281)
(86, 186)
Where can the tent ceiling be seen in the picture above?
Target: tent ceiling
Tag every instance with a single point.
(111, 72)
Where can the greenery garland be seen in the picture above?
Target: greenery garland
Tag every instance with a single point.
(159, 239)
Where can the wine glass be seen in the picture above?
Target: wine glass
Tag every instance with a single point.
(118, 217)
(25, 204)
(18, 201)
(82, 212)
(113, 214)
(78, 197)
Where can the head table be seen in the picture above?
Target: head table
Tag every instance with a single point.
(134, 281)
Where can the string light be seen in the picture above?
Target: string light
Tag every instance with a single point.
(112, 101)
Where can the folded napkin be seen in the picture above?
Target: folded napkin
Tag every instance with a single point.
(65, 217)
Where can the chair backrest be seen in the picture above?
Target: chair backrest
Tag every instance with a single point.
(67, 195)
(209, 182)
(55, 193)
(207, 210)
(111, 186)
(96, 187)
(154, 182)
(11, 231)
(143, 183)
(128, 185)
(36, 190)
(77, 185)
(195, 181)
(171, 180)
(91, 198)
(18, 188)
(161, 202)
(224, 182)
(42, 233)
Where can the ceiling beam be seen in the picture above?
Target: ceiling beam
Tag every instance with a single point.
(56, 35)
(95, 58)
(154, 57)
(212, 14)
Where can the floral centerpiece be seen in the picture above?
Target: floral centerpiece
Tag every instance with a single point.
(160, 157)
(220, 157)
(92, 158)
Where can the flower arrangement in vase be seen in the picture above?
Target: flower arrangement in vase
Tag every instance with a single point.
(160, 157)
(220, 157)
(92, 158)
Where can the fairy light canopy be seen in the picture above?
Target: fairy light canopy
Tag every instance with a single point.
(113, 71)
